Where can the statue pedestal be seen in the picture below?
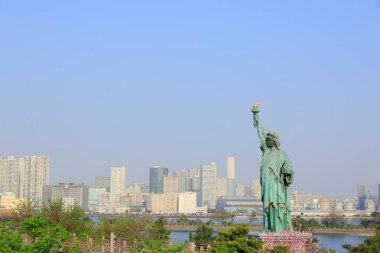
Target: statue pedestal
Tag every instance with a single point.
(296, 241)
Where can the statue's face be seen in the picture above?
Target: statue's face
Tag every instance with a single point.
(270, 143)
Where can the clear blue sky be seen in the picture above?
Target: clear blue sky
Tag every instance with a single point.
(94, 84)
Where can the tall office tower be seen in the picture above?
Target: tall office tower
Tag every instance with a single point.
(103, 182)
(194, 184)
(183, 180)
(157, 174)
(362, 196)
(230, 175)
(70, 193)
(239, 190)
(194, 180)
(207, 185)
(10, 176)
(221, 187)
(35, 176)
(171, 184)
(256, 188)
(117, 186)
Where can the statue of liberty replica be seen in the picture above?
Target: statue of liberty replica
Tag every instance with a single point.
(276, 174)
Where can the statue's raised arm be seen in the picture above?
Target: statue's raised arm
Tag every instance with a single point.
(257, 123)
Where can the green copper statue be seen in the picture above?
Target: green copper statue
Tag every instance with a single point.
(276, 174)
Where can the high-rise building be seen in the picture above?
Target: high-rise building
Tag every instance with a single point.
(221, 187)
(35, 176)
(11, 175)
(194, 180)
(362, 196)
(194, 184)
(103, 182)
(171, 184)
(117, 187)
(207, 185)
(157, 174)
(256, 188)
(25, 177)
(70, 193)
(239, 190)
(230, 175)
(183, 180)
(193, 172)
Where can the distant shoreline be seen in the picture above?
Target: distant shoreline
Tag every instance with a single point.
(218, 228)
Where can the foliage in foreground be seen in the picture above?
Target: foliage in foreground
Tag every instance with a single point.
(203, 235)
(45, 238)
(235, 240)
(370, 245)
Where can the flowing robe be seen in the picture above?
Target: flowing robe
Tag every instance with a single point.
(276, 174)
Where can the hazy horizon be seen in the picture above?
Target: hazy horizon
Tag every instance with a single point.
(100, 84)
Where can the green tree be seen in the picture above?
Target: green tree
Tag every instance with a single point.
(125, 227)
(34, 226)
(159, 230)
(202, 236)
(45, 238)
(10, 240)
(235, 240)
(370, 245)
(22, 211)
(182, 219)
(300, 224)
(72, 218)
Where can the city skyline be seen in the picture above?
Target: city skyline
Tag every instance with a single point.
(168, 194)
(98, 180)
(130, 84)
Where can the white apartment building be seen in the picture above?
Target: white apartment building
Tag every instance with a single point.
(25, 177)
(187, 202)
(117, 187)
(163, 203)
(207, 185)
